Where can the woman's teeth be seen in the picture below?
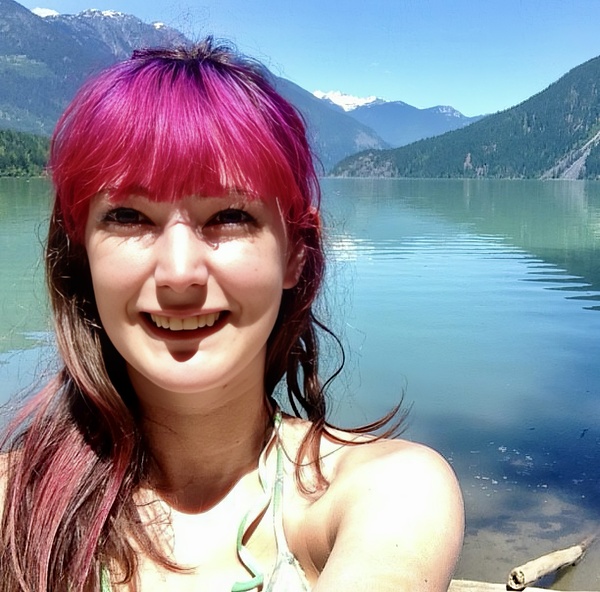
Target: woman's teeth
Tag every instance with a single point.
(187, 323)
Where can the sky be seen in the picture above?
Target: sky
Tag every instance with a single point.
(478, 56)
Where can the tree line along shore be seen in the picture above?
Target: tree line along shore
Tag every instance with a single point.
(22, 154)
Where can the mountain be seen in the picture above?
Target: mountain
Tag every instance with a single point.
(399, 124)
(344, 101)
(45, 56)
(120, 33)
(554, 134)
(333, 133)
(44, 60)
(396, 122)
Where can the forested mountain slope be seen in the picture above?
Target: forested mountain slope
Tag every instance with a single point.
(554, 134)
(44, 60)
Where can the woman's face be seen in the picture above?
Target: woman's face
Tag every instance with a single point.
(189, 291)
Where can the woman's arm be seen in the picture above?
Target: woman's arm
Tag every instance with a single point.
(397, 521)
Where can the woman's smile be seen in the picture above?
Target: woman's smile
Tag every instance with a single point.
(184, 327)
(186, 323)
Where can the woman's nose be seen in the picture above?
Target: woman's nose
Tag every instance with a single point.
(181, 258)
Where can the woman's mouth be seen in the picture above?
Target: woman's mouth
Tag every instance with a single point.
(191, 323)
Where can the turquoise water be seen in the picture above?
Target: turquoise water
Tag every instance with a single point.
(479, 300)
(23, 310)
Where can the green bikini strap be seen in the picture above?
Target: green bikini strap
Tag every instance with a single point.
(104, 579)
(246, 558)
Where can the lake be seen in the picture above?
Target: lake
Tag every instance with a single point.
(476, 300)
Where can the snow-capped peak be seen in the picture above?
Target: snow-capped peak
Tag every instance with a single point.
(91, 12)
(44, 12)
(157, 25)
(112, 13)
(447, 110)
(346, 102)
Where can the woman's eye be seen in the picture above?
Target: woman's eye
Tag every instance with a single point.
(125, 216)
(230, 216)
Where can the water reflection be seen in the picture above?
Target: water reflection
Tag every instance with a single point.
(480, 301)
(557, 221)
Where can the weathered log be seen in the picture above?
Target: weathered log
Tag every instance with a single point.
(530, 572)
(472, 586)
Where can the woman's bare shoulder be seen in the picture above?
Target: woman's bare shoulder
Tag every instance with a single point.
(382, 458)
(390, 502)
(346, 456)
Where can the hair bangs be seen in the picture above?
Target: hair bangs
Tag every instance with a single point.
(168, 132)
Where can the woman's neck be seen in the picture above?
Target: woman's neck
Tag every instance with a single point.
(198, 457)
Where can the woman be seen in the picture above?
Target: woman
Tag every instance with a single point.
(183, 260)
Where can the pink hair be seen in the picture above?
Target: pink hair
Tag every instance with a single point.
(169, 128)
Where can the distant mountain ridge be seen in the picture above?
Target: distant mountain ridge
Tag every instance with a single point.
(397, 122)
(44, 59)
(554, 134)
(345, 101)
(332, 132)
(121, 33)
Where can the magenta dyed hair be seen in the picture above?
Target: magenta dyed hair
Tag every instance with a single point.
(172, 123)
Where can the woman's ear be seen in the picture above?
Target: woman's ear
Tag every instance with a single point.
(295, 265)
(297, 256)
